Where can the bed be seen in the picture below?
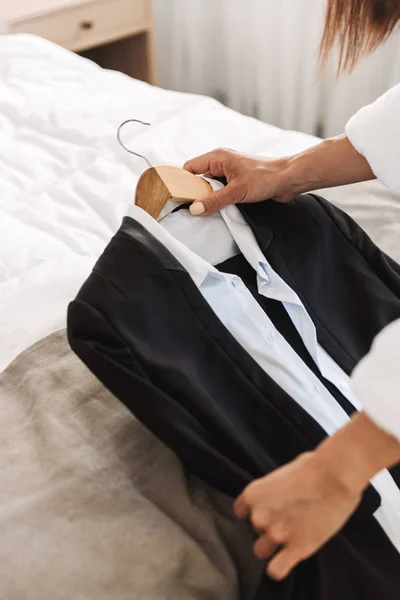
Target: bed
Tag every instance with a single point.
(92, 505)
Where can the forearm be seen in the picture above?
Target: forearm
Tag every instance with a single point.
(358, 451)
(331, 163)
(253, 179)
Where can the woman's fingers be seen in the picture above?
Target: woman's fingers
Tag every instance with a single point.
(252, 496)
(264, 547)
(211, 165)
(297, 508)
(243, 503)
(284, 562)
(206, 163)
(198, 165)
(249, 179)
(241, 507)
(261, 518)
(214, 201)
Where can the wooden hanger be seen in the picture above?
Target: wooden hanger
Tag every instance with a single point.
(159, 185)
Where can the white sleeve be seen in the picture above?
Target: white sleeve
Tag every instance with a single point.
(374, 131)
(376, 380)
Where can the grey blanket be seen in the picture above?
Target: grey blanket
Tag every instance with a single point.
(93, 506)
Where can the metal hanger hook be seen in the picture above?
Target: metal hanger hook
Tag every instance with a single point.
(125, 147)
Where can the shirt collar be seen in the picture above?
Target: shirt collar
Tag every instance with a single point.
(197, 268)
(269, 282)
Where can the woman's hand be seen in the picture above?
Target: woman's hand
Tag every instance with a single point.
(249, 179)
(296, 509)
(252, 179)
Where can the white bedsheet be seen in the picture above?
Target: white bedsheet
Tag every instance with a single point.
(65, 182)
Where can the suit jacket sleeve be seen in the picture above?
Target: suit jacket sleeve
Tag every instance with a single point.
(374, 131)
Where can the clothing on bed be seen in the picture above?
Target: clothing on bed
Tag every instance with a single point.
(94, 506)
(269, 283)
(245, 318)
(143, 328)
(251, 326)
(325, 403)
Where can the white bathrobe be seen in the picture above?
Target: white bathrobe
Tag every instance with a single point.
(375, 133)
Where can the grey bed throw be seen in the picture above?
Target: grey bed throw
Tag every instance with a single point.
(93, 506)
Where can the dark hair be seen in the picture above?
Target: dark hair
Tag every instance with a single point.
(359, 26)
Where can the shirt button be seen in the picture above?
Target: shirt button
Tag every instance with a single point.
(343, 386)
(270, 336)
(317, 389)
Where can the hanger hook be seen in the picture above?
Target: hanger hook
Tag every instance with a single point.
(125, 147)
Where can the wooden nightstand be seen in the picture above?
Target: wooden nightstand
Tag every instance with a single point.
(117, 34)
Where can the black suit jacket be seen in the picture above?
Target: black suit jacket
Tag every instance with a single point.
(141, 325)
(350, 288)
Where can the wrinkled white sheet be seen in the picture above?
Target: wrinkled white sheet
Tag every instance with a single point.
(65, 182)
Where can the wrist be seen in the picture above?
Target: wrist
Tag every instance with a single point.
(332, 162)
(348, 469)
(326, 478)
(358, 451)
(297, 174)
(307, 170)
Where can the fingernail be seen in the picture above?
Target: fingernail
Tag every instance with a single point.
(197, 208)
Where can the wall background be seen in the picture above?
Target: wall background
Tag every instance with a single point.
(260, 58)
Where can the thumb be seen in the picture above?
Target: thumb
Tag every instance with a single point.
(213, 202)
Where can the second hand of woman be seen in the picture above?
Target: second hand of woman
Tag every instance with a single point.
(297, 508)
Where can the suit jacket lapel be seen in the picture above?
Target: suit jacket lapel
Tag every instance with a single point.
(287, 239)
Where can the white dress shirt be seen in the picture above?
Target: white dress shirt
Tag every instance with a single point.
(374, 131)
(243, 317)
